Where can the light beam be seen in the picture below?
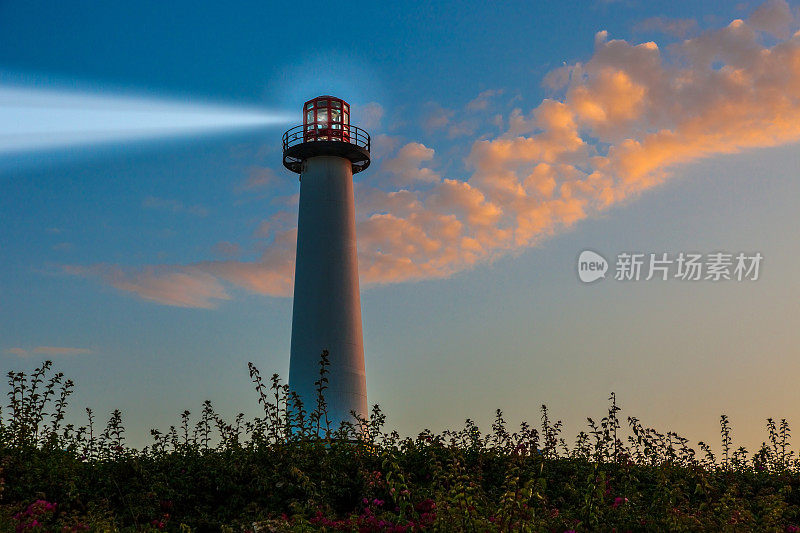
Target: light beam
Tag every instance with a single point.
(42, 119)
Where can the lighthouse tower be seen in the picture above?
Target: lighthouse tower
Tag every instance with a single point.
(326, 150)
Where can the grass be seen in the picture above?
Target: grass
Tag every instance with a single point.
(287, 471)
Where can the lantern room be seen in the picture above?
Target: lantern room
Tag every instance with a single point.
(326, 118)
(326, 130)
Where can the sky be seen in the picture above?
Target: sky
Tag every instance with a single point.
(507, 138)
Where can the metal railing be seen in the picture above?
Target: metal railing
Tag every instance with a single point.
(318, 131)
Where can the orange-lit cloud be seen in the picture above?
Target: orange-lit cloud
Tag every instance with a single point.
(406, 166)
(623, 121)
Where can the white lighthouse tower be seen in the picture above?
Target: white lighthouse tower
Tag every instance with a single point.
(326, 151)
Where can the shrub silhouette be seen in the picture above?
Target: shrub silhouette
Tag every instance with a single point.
(288, 470)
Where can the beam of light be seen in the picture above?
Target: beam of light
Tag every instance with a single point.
(37, 119)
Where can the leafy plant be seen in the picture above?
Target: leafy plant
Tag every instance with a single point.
(289, 470)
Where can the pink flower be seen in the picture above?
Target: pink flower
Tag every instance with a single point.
(619, 500)
(425, 506)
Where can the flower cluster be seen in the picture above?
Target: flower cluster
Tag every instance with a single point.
(34, 517)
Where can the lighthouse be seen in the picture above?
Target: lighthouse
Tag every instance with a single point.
(326, 150)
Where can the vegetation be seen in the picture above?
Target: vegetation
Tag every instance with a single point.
(286, 471)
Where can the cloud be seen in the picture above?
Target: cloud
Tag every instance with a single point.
(258, 178)
(462, 128)
(277, 222)
(49, 350)
(173, 206)
(272, 274)
(382, 145)
(367, 116)
(60, 350)
(436, 117)
(405, 168)
(227, 249)
(184, 286)
(622, 123)
(681, 28)
(481, 102)
(774, 17)
(460, 123)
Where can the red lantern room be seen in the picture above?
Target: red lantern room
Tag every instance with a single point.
(326, 130)
(326, 118)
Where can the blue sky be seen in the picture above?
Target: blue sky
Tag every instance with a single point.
(156, 266)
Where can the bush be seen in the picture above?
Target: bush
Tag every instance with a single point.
(286, 471)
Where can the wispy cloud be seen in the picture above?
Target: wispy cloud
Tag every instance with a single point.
(623, 122)
(187, 286)
(482, 101)
(367, 116)
(258, 178)
(436, 117)
(463, 122)
(227, 249)
(63, 247)
(173, 206)
(48, 350)
(681, 28)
